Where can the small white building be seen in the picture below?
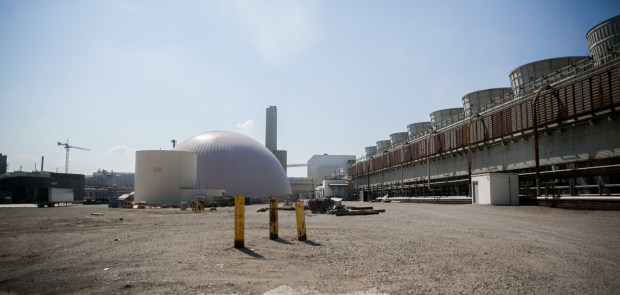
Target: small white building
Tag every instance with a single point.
(332, 188)
(495, 189)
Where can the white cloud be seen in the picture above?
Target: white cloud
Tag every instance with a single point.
(280, 29)
(245, 125)
(121, 150)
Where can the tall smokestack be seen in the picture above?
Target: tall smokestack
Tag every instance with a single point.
(271, 131)
(42, 158)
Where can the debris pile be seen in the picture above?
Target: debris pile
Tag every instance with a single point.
(331, 206)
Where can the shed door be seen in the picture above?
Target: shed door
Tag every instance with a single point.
(474, 190)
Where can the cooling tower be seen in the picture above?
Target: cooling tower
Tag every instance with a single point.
(535, 70)
(382, 144)
(418, 127)
(603, 37)
(477, 99)
(371, 150)
(439, 116)
(398, 137)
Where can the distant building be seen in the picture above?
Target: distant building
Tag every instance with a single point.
(28, 187)
(3, 164)
(321, 167)
(104, 178)
(302, 187)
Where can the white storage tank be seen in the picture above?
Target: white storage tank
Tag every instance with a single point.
(398, 137)
(476, 99)
(160, 175)
(495, 189)
(418, 127)
(382, 144)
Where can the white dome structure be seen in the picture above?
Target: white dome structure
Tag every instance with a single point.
(236, 163)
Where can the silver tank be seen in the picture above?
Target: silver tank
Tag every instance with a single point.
(476, 99)
(382, 144)
(445, 114)
(418, 127)
(398, 137)
(533, 71)
(371, 150)
(603, 37)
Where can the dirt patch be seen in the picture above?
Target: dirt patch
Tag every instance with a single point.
(409, 249)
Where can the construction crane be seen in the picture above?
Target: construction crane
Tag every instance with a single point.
(67, 147)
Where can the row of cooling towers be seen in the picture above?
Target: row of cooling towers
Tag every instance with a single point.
(601, 39)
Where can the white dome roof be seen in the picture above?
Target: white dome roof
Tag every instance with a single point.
(236, 163)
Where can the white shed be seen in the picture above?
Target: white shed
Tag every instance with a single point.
(495, 189)
(160, 175)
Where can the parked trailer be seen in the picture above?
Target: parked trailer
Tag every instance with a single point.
(56, 196)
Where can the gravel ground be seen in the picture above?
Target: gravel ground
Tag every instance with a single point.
(409, 249)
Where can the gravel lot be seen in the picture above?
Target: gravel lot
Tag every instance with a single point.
(409, 249)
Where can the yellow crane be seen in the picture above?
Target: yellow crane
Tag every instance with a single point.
(67, 147)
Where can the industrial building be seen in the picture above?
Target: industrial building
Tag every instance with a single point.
(32, 187)
(324, 169)
(3, 164)
(105, 178)
(209, 164)
(302, 187)
(556, 127)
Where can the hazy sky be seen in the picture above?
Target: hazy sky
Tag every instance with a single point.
(118, 76)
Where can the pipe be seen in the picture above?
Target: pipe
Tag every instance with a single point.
(471, 119)
(535, 131)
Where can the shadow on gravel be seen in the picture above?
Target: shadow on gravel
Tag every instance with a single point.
(311, 243)
(251, 253)
(282, 241)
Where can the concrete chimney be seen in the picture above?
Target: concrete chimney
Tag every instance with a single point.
(271, 130)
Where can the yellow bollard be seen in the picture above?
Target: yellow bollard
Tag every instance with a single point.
(273, 219)
(301, 222)
(239, 220)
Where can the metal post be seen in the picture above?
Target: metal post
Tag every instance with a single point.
(273, 219)
(471, 119)
(239, 221)
(535, 131)
(301, 222)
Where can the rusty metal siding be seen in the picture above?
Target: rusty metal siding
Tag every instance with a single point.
(406, 150)
(615, 85)
(460, 139)
(571, 107)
